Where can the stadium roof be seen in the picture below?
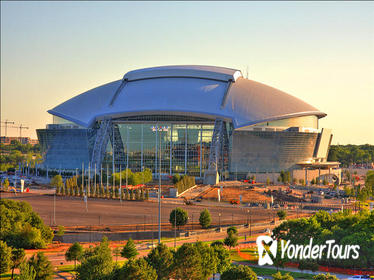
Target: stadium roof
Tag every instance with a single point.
(202, 91)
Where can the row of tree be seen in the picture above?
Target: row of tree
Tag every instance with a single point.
(73, 187)
(190, 261)
(183, 183)
(351, 154)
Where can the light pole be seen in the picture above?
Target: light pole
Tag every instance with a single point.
(219, 221)
(158, 129)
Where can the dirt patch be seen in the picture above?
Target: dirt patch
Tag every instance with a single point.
(248, 194)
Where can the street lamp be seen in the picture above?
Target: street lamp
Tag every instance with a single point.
(219, 221)
(159, 129)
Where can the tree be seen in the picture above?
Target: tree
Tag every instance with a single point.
(231, 240)
(18, 256)
(239, 272)
(279, 276)
(57, 182)
(267, 181)
(116, 252)
(216, 243)
(178, 217)
(327, 276)
(21, 227)
(6, 257)
(137, 194)
(60, 231)
(209, 259)
(282, 214)
(74, 253)
(187, 261)
(138, 269)
(313, 181)
(42, 266)
(161, 259)
(232, 229)
(97, 262)
(6, 184)
(146, 194)
(26, 272)
(223, 257)
(129, 250)
(205, 218)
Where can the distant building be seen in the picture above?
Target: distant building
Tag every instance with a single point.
(205, 121)
(24, 140)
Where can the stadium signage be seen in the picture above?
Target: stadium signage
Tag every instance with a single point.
(303, 252)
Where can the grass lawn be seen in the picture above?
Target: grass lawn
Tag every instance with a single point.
(262, 271)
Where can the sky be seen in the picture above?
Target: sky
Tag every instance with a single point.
(320, 52)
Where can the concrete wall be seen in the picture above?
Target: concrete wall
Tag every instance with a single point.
(114, 236)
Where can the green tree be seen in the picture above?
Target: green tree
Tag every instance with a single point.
(161, 259)
(232, 229)
(138, 269)
(327, 276)
(6, 184)
(239, 272)
(18, 256)
(57, 182)
(282, 214)
(26, 272)
(223, 256)
(267, 181)
(117, 253)
(21, 227)
(209, 259)
(178, 217)
(6, 257)
(74, 253)
(216, 243)
(187, 261)
(146, 194)
(42, 266)
(60, 231)
(137, 194)
(205, 218)
(129, 250)
(231, 240)
(97, 263)
(279, 276)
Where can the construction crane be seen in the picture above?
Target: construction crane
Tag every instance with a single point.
(6, 126)
(20, 131)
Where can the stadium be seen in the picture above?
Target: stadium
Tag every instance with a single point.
(208, 122)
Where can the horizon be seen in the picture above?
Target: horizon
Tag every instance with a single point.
(319, 52)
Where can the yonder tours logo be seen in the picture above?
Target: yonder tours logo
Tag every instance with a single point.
(267, 250)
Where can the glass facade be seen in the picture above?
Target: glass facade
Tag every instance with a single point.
(267, 151)
(179, 147)
(180, 143)
(65, 148)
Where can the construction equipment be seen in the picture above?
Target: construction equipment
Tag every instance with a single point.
(6, 126)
